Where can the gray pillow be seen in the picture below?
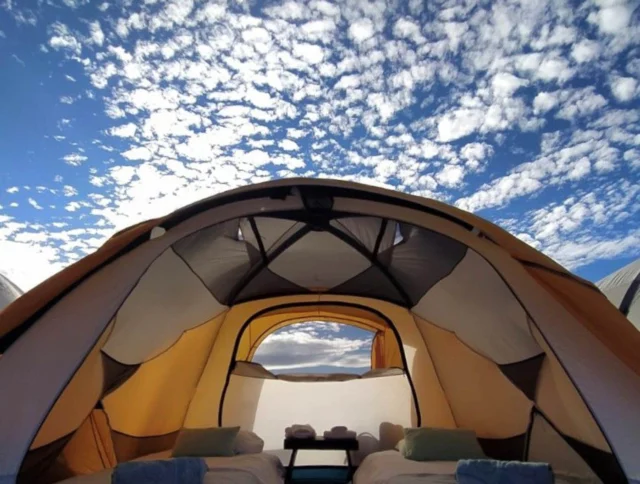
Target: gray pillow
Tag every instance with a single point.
(211, 442)
(430, 444)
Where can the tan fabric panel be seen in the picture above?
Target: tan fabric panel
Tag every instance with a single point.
(434, 408)
(481, 397)
(77, 400)
(546, 445)
(154, 400)
(597, 314)
(559, 400)
(168, 300)
(91, 449)
(478, 307)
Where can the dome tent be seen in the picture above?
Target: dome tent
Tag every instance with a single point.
(9, 292)
(493, 335)
(622, 288)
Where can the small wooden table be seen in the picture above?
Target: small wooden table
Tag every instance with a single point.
(319, 443)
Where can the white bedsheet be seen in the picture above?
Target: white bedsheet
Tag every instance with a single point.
(240, 469)
(390, 467)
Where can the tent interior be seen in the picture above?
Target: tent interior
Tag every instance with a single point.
(454, 346)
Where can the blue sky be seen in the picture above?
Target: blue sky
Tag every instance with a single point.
(523, 112)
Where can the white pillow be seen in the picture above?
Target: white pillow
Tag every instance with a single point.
(248, 442)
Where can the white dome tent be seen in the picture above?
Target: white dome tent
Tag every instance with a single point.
(153, 335)
(9, 292)
(622, 288)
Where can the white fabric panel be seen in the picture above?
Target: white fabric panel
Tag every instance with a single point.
(546, 445)
(477, 306)
(169, 300)
(319, 260)
(272, 231)
(371, 405)
(82, 315)
(366, 231)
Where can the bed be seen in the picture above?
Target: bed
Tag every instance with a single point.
(390, 467)
(260, 468)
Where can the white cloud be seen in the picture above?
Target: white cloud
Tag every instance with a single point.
(624, 88)
(138, 153)
(289, 145)
(505, 84)
(34, 204)
(13, 190)
(361, 30)
(612, 18)
(450, 175)
(74, 159)
(544, 101)
(96, 33)
(124, 131)
(585, 51)
(311, 53)
(307, 345)
(62, 39)
(66, 100)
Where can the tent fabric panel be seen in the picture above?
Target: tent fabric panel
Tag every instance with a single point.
(604, 464)
(81, 314)
(372, 282)
(272, 231)
(115, 373)
(319, 261)
(546, 445)
(168, 300)
(39, 463)
(465, 302)
(86, 451)
(509, 448)
(266, 282)
(422, 259)
(155, 399)
(558, 399)
(77, 400)
(218, 258)
(367, 231)
(597, 315)
(482, 399)
(128, 447)
(524, 374)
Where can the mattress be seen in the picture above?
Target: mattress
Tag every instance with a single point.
(240, 469)
(390, 467)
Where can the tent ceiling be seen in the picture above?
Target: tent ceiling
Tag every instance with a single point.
(250, 258)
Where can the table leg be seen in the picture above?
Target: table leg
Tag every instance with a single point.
(350, 469)
(292, 460)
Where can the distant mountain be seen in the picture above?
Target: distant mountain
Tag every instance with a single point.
(9, 292)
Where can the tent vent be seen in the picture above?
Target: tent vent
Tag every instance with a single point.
(157, 232)
(239, 234)
(398, 237)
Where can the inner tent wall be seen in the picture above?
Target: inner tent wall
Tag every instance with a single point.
(149, 384)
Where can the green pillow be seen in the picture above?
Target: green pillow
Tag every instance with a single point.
(429, 444)
(211, 442)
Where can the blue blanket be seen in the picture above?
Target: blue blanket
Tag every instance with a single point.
(181, 470)
(486, 471)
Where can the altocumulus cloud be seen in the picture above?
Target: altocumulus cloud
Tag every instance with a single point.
(527, 113)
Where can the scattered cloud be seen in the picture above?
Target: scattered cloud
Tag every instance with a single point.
(74, 159)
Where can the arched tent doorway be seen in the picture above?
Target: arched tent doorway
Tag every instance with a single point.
(497, 337)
